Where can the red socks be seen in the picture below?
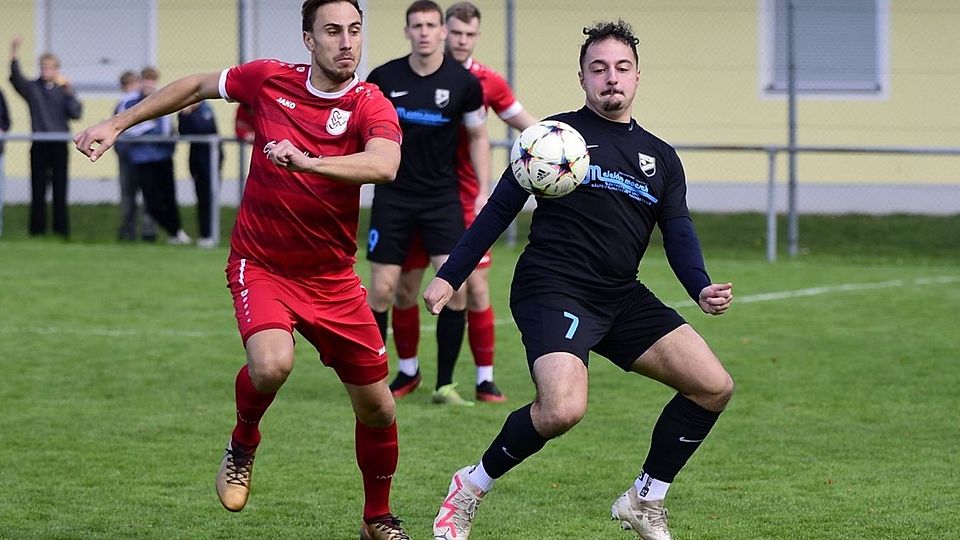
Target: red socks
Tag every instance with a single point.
(377, 454)
(251, 406)
(480, 331)
(406, 330)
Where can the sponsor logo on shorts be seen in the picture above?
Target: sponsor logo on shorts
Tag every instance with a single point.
(381, 351)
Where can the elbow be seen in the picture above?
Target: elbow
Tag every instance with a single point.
(388, 172)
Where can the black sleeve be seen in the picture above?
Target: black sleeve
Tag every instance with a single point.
(683, 251)
(19, 82)
(503, 205)
(74, 109)
(4, 114)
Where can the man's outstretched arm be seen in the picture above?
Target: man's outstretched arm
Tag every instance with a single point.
(96, 140)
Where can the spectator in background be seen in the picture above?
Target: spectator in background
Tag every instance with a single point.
(130, 88)
(243, 124)
(153, 163)
(52, 104)
(4, 127)
(198, 119)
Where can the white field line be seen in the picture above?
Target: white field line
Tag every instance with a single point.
(429, 328)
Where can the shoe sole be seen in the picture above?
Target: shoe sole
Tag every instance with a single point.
(491, 398)
(404, 390)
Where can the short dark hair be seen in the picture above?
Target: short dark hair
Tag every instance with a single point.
(620, 31)
(425, 6)
(309, 11)
(463, 11)
(150, 73)
(128, 77)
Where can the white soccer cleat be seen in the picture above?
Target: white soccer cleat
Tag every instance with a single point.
(455, 517)
(646, 518)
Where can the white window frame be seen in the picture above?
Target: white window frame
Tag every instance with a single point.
(42, 9)
(767, 67)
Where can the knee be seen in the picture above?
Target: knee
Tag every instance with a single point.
(381, 294)
(716, 393)
(556, 420)
(380, 413)
(268, 371)
(478, 296)
(406, 297)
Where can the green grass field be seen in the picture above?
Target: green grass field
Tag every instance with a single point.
(116, 382)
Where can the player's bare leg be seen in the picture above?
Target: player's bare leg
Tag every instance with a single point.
(269, 363)
(683, 361)
(377, 454)
(406, 332)
(561, 403)
(451, 323)
(480, 334)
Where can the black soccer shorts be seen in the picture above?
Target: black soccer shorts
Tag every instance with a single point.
(393, 222)
(620, 329)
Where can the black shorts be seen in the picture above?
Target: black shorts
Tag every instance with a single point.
(393, 223)
(620, 330)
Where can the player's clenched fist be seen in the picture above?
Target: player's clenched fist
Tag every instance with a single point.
(285, 154)
(436, 295)
(716, 298)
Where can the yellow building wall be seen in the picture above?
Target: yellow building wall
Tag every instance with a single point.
(700, 80)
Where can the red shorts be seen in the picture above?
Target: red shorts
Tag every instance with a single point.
(329, 311)
(417, 258)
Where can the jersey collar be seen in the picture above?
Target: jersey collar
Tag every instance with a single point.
(330, 95)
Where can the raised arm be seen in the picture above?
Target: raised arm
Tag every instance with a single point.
(95, 140)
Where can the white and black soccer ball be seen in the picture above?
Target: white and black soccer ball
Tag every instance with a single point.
(549, 159)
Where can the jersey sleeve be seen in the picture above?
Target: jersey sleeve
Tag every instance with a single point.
(241, 83)
(474, 112)
(498, 96)
(380, 118)
(674, 200)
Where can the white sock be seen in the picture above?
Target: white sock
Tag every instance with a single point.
(409, 366)
(484, 373)
(479, 477)
(650, 489)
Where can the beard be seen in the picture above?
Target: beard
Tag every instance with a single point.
(613, 102)
(337, 76)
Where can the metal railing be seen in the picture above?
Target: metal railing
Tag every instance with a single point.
(213, 142)
(770, 151)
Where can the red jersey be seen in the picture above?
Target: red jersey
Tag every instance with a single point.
(291, 223)
(498, 96)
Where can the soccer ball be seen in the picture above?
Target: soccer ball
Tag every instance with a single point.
(549, 159)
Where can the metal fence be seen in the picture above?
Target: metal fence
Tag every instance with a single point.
(771, 153)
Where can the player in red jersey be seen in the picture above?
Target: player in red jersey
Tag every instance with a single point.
(463, 34)
(323, 133)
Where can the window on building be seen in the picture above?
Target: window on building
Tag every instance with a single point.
(97, 39)
(840, 48)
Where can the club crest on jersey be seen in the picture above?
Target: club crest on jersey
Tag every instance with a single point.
(648, 165)
(442, 97)
(337, 122)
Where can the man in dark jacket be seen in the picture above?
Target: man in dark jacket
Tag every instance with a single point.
(52, 104)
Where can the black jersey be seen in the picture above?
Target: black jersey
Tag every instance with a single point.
(431, 110)
(590, 242)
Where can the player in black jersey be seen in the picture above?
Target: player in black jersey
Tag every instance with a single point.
(576, 290)
(434, 95)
